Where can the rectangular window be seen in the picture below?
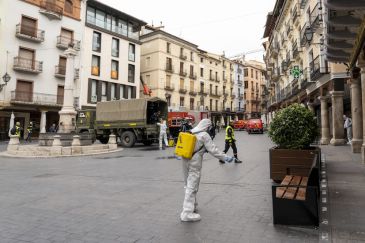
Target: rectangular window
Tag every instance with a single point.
(246, 72)
(201, 60)
(90, 15)
(131, 73)
(182, 99)
(95, 65)
(191, 56)
(131, 52)
(191, 103)
(97, 41)
(113, 92)
(251, 70)
(216, 105)
(114, 69)
(168, 46)
(94, 95)
(103, 91)
(100, 19)
(121, 92)
(115, 47)
(202, 72)
(246, 84)
(257, 76)
(28, 26)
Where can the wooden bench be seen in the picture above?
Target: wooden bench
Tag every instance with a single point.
(296, 199)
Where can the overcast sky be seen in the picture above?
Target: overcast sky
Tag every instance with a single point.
(233, 26)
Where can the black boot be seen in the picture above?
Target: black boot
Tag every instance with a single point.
(221, 161)
(237, 160)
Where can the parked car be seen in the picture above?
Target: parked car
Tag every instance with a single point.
(239, 125)
(254, 126)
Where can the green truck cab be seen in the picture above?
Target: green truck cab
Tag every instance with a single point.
(131, 120)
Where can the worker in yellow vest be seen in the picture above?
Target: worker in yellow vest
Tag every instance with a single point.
(17, 129)
(230, 141)
(30, 132)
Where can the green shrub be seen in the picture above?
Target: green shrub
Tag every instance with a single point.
(293, 127)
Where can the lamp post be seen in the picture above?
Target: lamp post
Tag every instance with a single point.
(308, 34)
(6, 79)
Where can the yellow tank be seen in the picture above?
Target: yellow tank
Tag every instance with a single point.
(185, 145)
(171, 142)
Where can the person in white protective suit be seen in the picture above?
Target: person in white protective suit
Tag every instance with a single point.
(163, 133)
(192, 168)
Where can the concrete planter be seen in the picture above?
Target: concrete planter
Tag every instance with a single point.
(292, 161)
(46, 139)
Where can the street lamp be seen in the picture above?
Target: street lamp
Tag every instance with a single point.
(6, 79)
(308, 34)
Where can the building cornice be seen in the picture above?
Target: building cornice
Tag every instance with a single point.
(163, 33)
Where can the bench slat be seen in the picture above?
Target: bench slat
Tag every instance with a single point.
(291, 191)
(302, 191)
(281, 190)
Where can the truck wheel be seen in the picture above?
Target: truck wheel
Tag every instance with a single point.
(128, 139)
(147, 142)
(104, 140)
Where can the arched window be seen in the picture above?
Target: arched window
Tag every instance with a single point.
(69, 6)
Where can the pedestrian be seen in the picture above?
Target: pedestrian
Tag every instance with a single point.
(218, 126)
(230, 141)
(30, 131)
(163, 133)
(53, 128)
(348, 126)
(192, 169)
(17, 130)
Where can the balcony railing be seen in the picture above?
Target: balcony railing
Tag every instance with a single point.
(27, 65)
(225, 79)
(316, 16)
(169, 68)
(23, 97)
(295, 13)
(183, 73)
(295, 49)
(52, 10)
(303, 40)
(192, 92)
(303, 3)
(203, 92)
(60, 71)
(169, 87)
(29, 33)
(211, 78)
(183, 90)
(316, 70)
(192, 76)
(63, 42)
(183, 57)
(233, 95)
(215, 94)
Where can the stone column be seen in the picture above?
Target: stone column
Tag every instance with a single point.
(356, 112)
(362, 66)
(68, 113)
(43, 121)
(325, 125)
(337, 118)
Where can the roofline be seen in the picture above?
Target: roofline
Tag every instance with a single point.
(168, 35)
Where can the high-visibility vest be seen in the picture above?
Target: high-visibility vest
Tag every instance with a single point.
(30, 128)
(17, 131)
(232, 134)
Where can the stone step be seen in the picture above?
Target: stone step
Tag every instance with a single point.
(96, 151)
(32, 153)
(33, 148)
(86, 149)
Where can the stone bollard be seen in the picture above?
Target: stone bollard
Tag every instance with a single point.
(112, 142)
(13, 143)
(56, 145)
(76, 145)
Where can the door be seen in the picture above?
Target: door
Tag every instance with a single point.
(24, 91)
(28, 26)
(26, 58)
(66, 36)
(60, 95)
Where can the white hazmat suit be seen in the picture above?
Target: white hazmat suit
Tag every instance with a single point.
(192, 168)
(163, 133)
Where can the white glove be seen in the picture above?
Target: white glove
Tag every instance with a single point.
(228, 159)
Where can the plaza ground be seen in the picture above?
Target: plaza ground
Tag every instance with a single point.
(136, 196)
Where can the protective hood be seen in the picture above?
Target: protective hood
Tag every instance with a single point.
(202, 126)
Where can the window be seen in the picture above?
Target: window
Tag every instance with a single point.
(168, 46)
(28, 26)
(216, 90)
(201, 60)
(251, 73)
(191, 71)
(191, 103)
(216, 105)
(246, 84)
(211, 104)
(100, 18)
(168, 99)
(131, 73)
(60, 94)
(96, 41)
(257, 76)
(122, 92)
(246, 72)
(114, 69)
(61, 69)
(103, 91)
(115, 47)
(68, 7)
(182, 99)
(112, 92)
(191, 56)
(93, 93)
(131, 52)
(210, 88)
(95, 65)
(202, 72)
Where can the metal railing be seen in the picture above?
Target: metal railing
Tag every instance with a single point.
(192, 76)
(169, 68)
(183, 73)
(295, 13)
(295, 49)
(24, 64)
(60, 70)
(183, 90)
(183, 57)
(169, 87)
(65, 41)
(35, 98)
(29, 32)
(316, 70)
(316, 16)
(303, 40)
(51, 7)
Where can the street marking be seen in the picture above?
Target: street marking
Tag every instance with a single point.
(324, 200)
(324, 236)
(325, 221)
(324, 209)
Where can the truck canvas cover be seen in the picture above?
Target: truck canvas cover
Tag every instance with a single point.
(123, 110)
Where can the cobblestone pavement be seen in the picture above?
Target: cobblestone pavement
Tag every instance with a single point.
(136, 196)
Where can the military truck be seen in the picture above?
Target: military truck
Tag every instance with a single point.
(131, 120)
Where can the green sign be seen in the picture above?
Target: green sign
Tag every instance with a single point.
(296, 72)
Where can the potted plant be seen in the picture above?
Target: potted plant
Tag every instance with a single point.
(293, 129)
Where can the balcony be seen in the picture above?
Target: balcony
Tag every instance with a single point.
(225, 79)
(29, 33)
(203, 92)
(316, 16)
(192, 92)
(304, 80)
(192, 76)
(63, 42)
(169, 87)
(217, 79)
(303, 40)
(240, 96)
(183, 90)
(233, 95)
(216, 94)
(183, 73)
(51, 10)
(274, 49)
(296, 14)
(60, 71)
(30, 98)
(27, 65)
(169, 68)
(317, 70)
(296, 50)
(183, 57)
